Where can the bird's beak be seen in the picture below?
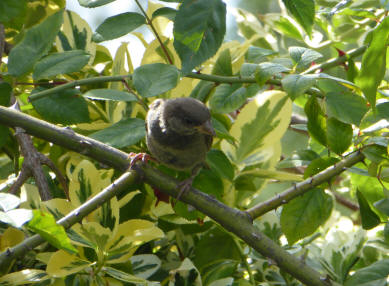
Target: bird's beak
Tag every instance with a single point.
(206, 128)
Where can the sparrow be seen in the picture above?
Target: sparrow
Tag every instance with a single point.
(179, 134)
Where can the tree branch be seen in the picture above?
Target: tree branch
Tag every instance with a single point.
(306, 185)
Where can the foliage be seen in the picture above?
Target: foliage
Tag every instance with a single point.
(301, 90)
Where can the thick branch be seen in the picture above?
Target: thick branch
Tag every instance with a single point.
(306, 185)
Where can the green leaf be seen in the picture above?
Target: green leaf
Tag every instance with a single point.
(209, 182)
(257, 54)
(228, 98)
(124, 133)
(124, 276)
(16, 217)
(45, 225)
(199, 29)
(303, 215)
(94, 3)
(117, 26)
(8, 202)
(369, 218)
(5, 93)
(303, 11)
(223, 65)
(287, 28)
(65, 107)
(375, 153)
(219, 162)
(24, 277)
(202, 90)
(166, 12)
(145, 265)
(4, 135)
(303, 57)
(296, 84)
(339, 135)
(374, 62)
(109, 94)
(10, 10)
(266, 70)
(375, 274)
(60, 63)
(36, 42)
(382, 206)
(316, 121)
(346, 107)
(319, 164)
(155, 79)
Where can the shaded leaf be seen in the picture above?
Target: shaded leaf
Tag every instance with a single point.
(5, 93)
(219, 162)
(375, 274)
(10, 10)
(296, 84)
(303, 11)
(339, 135)
(369, 218)
(145, 265)
(303, 57)
(316, 120)
(227, 98)
(94, 3)
(223, 65)
(166, 12)
(266, 70)
(109, 94)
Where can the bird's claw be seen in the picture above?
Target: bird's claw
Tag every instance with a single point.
(184, 186)
(135, 157)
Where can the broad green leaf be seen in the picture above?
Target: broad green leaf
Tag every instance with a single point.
(94, 3)
(60, 63)
(346, 107)
(375, 274)
(124, 133)
(303, 215)
(223, 65)
(339, 135)
(117, 26)
(319, 164)
(266, 70)
(10, 10)
(374, 62)
(155, 79)
(219, 162)
(303, 57)
(316, 121)
(223, 282)
(376, 153)
(202, 90)
(209, 182)
(166, 12)
(75, 34)
(24, 277)
(62, 264)
(296, 84)
(199, 29)
(65, 107)
(45, 225)
(286, 27)
(358, 13)
(369, 218)
(383, 206)
(16, 217)
(339, 80)
(145, 265)
(257, 54)
(8, 202)
(303, 11)
(271, 174)
(36, 42)
(228, 98)
(260, 124)
(5, 93)
(109, 94)
(124, 276)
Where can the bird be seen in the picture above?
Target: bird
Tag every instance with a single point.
(179, 133)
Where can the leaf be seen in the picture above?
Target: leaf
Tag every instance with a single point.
(227, 98)
(303, 57)
(36, 42)
(382, 206)
(62, 264)
(94, 3)
(209, 182)
(60, 63)
(24, 277)
(65, 107)
(376, 274)
(11, 237)
(223, 65)
(124, 133)
(45, 225)
(346, 107)
(117, 26)
(257, 54)
(316, 121)
(109, 94)
(286, 27)
(374, 62)
(369, 218)
(296, 84)
(266, 70)
(319, 164)
(199, 29)
(303, 11)
(375, 153)
(155, 79)
(219, 162)
(271, 174)
(303, 215)
(145, 265)
(10, 10)
(124, 276)
(202, 90)
(339, 135)
(16, 217)
(5, 93)
(166, 12)
(8, 202)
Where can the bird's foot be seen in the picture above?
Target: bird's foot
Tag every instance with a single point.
(135, 157)
(184, 186)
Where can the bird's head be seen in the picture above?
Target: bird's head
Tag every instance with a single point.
(187, 116)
